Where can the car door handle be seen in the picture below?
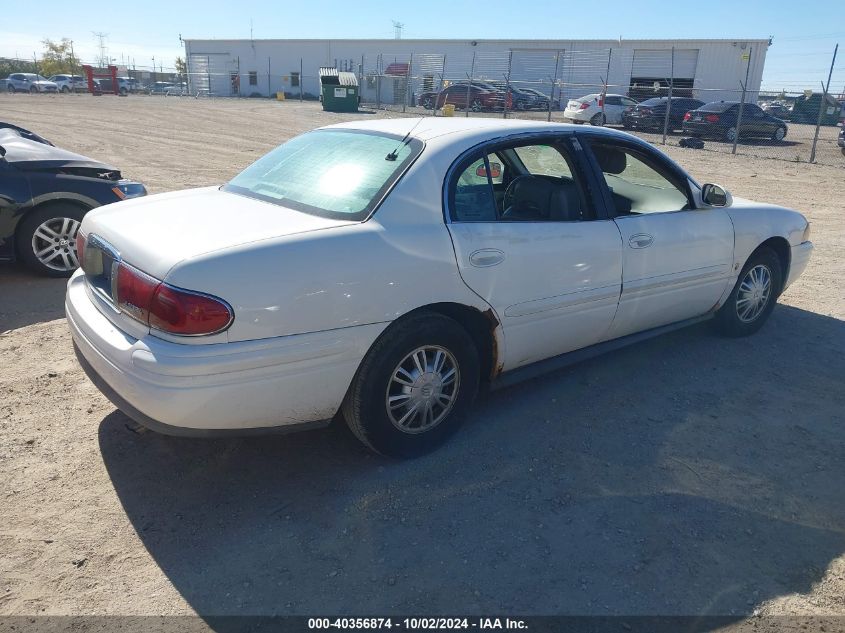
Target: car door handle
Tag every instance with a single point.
(485, 257)
(640, 240)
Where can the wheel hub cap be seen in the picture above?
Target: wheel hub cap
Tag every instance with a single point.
(754, 293)
(53, 243)
(422, 389)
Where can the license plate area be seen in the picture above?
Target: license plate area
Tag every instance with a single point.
(99, 263)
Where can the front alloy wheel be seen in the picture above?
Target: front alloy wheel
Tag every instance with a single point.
(754, 295)
(414, 386)
(47, 240)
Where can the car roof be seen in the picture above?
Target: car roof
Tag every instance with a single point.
(427, 128)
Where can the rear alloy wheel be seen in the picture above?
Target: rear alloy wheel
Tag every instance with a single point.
(428, 104)
(414, 386)
(754, 295)
(65, 89)
(598, 119)
(476, 106)
(730, 134)
(46, 240)
(33, 90)
(779, 134)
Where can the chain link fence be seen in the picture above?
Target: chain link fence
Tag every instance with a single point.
(558, 85)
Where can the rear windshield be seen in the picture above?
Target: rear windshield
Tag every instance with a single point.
(653, 102)
(339, 174)
(717, 106)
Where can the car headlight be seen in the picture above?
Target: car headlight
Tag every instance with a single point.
(129, 189)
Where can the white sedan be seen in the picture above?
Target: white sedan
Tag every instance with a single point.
(390, 269)
(597, 109)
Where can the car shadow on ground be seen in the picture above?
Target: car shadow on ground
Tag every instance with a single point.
(28, 298)
(690, 474)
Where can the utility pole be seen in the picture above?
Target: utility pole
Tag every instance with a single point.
(101, 38)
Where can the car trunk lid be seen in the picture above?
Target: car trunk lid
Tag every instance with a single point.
(157, 232)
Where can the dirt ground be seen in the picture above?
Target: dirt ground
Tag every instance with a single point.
(688, 475)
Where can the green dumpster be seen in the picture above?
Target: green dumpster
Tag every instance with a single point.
(338, 90)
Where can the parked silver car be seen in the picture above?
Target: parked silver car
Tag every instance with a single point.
(70, 83)
(29, 82)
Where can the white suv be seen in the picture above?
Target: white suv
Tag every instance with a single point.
(588, 109)
(70, 83)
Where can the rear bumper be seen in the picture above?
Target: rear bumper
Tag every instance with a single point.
(218, 388)
(703, 129)
(798, 260)
(578, 115)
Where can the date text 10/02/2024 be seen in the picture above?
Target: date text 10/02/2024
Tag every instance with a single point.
(417, 623)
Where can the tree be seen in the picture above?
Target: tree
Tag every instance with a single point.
(181, 70)
(58, 58)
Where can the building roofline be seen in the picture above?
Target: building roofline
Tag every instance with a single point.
(617, 41)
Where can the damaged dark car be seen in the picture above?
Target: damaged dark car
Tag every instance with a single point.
(44, 193)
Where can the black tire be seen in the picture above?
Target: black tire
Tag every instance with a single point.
(65, 89)
(365, 407)
(843, 151)
(33, 90)
(26, 232)
(476, 106)
(730, 134)
(777, 136)
(427, 103)
(598, 120)
(10, 89)
(728, 321)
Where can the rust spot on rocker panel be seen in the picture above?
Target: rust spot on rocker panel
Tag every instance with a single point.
(495, 363)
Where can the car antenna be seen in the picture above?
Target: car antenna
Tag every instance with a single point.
(394, 155)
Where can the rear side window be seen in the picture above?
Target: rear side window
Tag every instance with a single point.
(340, 174)
(717, 106)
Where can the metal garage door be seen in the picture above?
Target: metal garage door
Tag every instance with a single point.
(658, 63)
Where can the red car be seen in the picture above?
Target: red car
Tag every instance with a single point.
(481, 97)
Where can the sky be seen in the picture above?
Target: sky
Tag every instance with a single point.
(803, 35)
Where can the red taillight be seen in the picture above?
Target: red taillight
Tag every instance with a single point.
(584, 106)
(601, 102)
(166, 308)
(135, 292)
(712, 118)
(187, 313)
(80, 247)
(687, 116)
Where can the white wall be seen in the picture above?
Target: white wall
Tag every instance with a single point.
(582, 65)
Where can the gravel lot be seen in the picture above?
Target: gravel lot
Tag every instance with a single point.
(686, 475)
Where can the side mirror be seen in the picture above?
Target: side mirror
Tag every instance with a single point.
(716, 196)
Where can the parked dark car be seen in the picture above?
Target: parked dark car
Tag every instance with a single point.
(719, 120)
(541, 101)
(519, 99)
(481, 97)
(841, 140)
(651, 113)
(44, 193)
(777, 109)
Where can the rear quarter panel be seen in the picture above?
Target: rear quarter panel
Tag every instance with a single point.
(372, 272)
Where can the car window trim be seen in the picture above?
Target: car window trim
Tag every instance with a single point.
(490, 146)
(680, 178)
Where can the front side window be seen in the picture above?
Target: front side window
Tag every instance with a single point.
(341, 174)
(253, 78)
(637, 183)
(525, 182)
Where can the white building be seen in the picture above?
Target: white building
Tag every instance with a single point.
(708, 69)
